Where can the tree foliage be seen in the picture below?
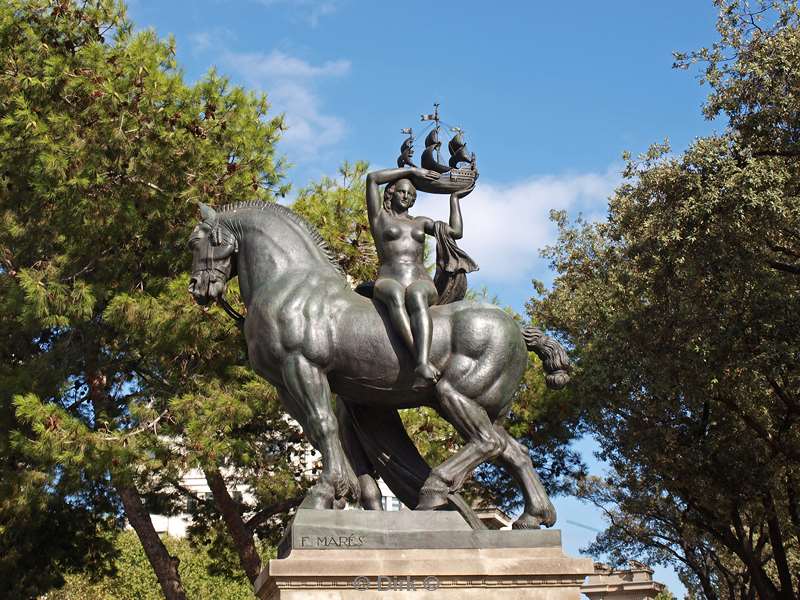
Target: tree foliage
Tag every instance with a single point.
(682, 311)
(105, 153)
(338, 211)
(113, 383)
(134, 579)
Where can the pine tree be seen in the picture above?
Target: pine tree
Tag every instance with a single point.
(106, 153)
(113, 382)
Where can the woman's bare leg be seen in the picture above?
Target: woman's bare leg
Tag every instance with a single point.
(418, 297)
(392, 295)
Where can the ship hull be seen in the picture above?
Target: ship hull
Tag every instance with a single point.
(453, 180)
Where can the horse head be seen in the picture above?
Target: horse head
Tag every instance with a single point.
(213, 247)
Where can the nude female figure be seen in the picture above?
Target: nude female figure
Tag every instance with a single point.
(404, 285)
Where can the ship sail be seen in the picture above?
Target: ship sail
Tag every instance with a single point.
(406, 151)
(432, 145)
(432, 139)
(453, 178)
(458, 151)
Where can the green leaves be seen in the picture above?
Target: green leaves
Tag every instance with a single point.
(106, 153)
(338, 209)
(134, 579)
(681, 309)
(52, 303)
(753, 72)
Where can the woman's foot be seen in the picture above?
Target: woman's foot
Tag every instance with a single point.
(427, 374)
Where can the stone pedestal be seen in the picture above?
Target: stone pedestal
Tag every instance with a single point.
(344, 555)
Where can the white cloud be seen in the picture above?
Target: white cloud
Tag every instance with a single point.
(309, 128)
(313, 10)
(277, 64)
(202, 41)
(505, 225)
(289, 84)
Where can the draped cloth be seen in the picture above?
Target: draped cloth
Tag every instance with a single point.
(452, 266)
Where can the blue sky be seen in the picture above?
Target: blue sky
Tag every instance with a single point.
(550, 95)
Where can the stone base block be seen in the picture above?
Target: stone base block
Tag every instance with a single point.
(462, 574)
(364, 555)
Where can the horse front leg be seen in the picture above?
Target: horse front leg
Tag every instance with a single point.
(310, 396)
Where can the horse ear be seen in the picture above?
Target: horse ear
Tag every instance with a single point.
(208, 214)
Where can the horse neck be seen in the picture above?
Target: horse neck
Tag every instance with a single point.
(269, 246)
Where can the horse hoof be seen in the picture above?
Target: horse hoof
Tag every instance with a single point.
(549, 516)
(431, 502)
(343, 485)
(527, 522)
(433, 494)
(320, 497)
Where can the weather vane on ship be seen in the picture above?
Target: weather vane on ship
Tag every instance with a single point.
(453, 177)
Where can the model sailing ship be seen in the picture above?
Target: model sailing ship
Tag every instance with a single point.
(453, 177)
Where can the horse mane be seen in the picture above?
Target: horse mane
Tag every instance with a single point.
(284, 211)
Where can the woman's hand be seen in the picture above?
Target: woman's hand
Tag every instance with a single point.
(465, 192)
(426, 174)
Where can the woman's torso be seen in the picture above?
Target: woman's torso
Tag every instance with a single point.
(401, 244)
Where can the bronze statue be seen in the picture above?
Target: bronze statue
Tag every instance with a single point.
(412, 341)
(404, 285)
(309, 334)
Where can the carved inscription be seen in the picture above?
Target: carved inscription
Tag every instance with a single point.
(332, 541)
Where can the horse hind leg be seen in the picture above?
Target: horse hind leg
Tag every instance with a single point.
(538, 508)
(310, 397)
(483, 443)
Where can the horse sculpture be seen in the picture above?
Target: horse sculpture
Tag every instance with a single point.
(309, 334)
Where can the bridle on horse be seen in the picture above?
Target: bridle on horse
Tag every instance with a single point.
(215, 241)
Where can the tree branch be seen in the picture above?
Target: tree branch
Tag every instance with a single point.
(785, 267)
(776, 153)
(273, 509)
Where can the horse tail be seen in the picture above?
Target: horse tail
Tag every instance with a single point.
(552, 354)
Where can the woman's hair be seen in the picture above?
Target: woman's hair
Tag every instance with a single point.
(389, 190)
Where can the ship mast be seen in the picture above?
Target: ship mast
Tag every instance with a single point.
(435, 118)
(438, 129)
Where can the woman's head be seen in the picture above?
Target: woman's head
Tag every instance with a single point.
(401, 195)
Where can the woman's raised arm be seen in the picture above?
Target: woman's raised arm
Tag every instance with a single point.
(377, 178)
(456, 224)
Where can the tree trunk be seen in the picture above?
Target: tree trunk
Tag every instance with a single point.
(164, 565)
(740, 545)
(794, 506)
(778, 548)
(241, 534)
(700, 571)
